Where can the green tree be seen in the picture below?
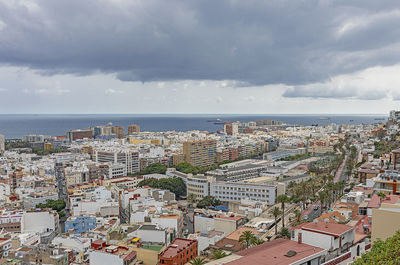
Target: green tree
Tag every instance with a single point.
(155, 168)
(191, 197)
(382, 195)
(247, 237)
(276, 212)
(297, 216)
(284, 233)
(175, 185)
(208, 201)
(282, 199)
(198, 261)
(219, 254)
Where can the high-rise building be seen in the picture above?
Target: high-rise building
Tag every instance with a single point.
(129, 158)
(119, 131)
(133, 129)
(2, 144)
(200, 153)
(231, 128)
(79, 134)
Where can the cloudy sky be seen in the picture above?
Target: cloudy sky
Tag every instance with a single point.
(148, 56)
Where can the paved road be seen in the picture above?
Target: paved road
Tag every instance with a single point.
(310, 213)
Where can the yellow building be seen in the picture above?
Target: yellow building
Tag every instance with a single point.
(200, 153)
(119, 131)
(385, 219)
(48, 146)
(133, 129)
(177, 159)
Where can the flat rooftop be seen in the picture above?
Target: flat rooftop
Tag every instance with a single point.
(177, 245)
(276, 252)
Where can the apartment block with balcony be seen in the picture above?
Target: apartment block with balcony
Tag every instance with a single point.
(200, 153)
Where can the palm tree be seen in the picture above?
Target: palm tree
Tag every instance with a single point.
(276, 212)
(284, 233)
(198, 261)
(297, 216)
(247, 237)
(282, 199)
(218, 254)
(322, 196)
(258, 241)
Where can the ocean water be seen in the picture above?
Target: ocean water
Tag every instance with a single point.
(17, 125)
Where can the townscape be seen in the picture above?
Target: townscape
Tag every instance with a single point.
(248, 192)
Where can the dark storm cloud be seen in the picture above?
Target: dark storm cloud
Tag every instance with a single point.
(252, 42)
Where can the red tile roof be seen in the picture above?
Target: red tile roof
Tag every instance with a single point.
(274, 253)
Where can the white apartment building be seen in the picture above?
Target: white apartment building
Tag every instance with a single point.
(127, 157)
(116, 170)
(236, 191)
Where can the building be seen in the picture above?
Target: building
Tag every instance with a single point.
(104, 254)
(5, 247)
(335, 238)
(180, 251)
(211, 220)
(387, 182)
(239, 173)
(132, 129)
(200, 153)
(80, 224)
(385, 218)
(198, 185)
(152, 234)
(2, 144)
(127, 157)
(10, 221)
(236, 191)
(79, 135)
(119, 131)
(231, 128)
(277, 252)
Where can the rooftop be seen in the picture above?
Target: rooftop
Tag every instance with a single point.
(326, 228)
(176, 246)
(280, 251)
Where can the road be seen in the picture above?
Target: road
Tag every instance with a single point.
(310, 213)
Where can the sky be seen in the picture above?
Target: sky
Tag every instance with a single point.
(226, 56)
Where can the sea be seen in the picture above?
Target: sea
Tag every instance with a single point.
(14, 126)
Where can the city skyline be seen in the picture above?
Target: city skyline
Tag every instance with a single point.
(231, 57)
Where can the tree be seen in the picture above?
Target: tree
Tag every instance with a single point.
(322, 197)
(282, 199)
(155, 168)
(276, 212)
(175, 185)
(258, 241)
(382, 195)
(219, 254)
(284, 233)
(191, 197)
(297, 216)
(57, 205)
(382, 252)
(208, 201)
(247, 237)
(198, 261)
